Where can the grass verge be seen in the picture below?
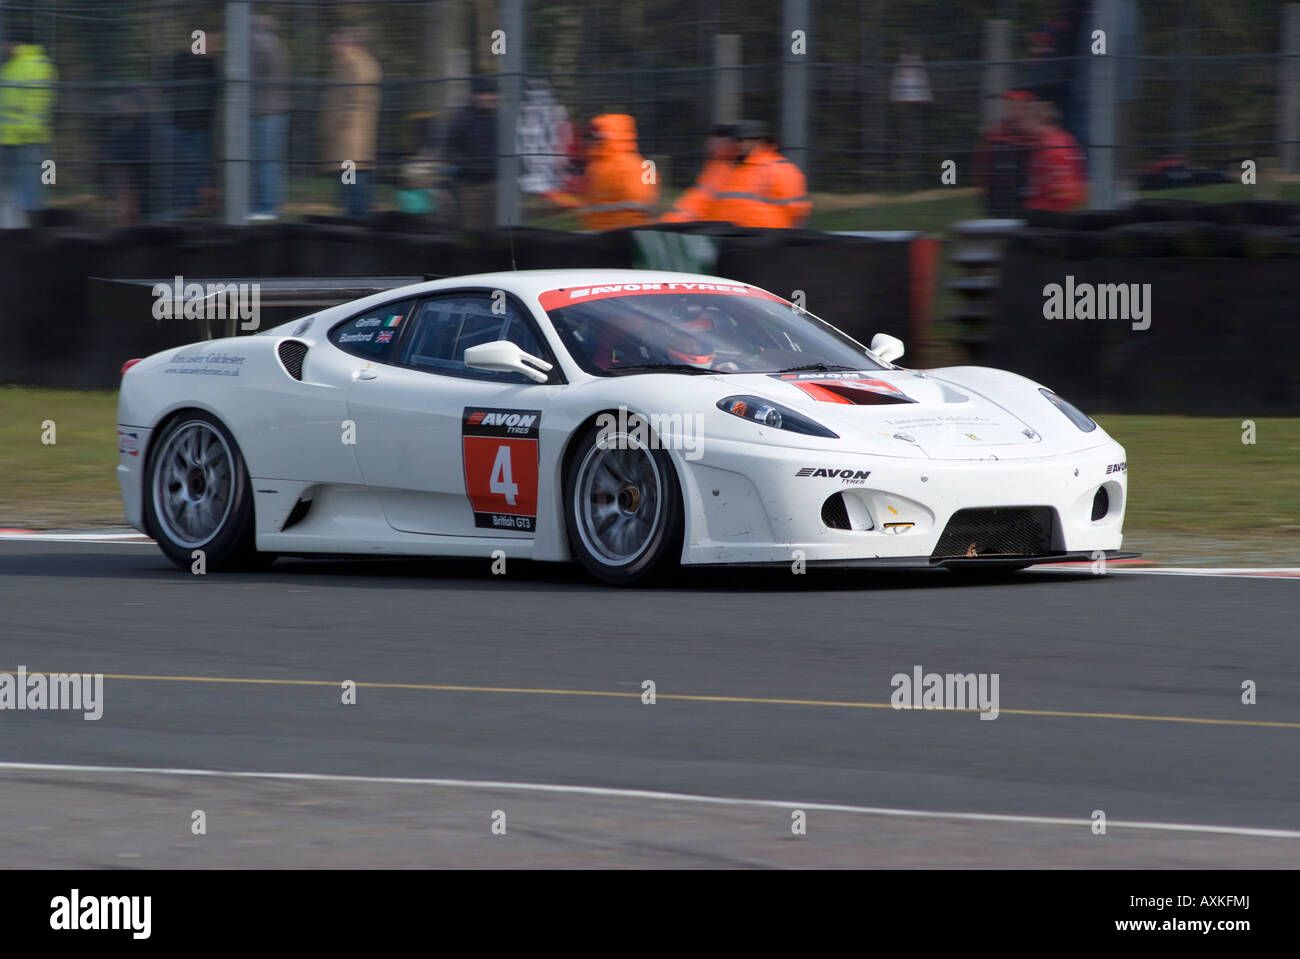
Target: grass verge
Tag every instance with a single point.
(70, 482)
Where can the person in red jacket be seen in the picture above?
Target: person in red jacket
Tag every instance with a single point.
(1058, 177)
(700, 201)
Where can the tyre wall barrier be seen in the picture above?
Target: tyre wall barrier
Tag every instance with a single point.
(1220, 300)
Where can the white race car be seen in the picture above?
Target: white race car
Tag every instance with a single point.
(631, 420)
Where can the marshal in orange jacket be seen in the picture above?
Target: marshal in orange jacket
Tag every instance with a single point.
(764, 190)
(700, 201)
(616, 193)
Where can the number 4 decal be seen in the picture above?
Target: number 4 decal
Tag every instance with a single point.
(500, 449)
(501, 481)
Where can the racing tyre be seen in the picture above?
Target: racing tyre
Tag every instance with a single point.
(623, 508)
(197, 496)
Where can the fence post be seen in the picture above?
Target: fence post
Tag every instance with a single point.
(1288, 93)
(452, 61)
(997, 70)
(794, 83)
(727, 101)
(1101, 108)
(511, 80)
(238, 46)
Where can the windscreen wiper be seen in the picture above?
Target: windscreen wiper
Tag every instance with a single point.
(819, 368)
(662, 368)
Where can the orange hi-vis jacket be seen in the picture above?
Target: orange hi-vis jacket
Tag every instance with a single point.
(700, 201)
(764, 190)
(616, 193)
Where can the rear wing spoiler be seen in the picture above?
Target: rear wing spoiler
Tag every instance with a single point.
(220, 306)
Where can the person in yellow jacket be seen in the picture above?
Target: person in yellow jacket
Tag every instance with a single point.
(764, 189)
(352, 122)
(26, 106)
(700, 201)
(619, 188)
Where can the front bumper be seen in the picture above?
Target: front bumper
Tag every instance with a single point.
(761, 504)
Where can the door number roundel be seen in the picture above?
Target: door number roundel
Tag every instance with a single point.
(500, 455)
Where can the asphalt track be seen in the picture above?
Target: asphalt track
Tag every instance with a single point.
(1119, 693)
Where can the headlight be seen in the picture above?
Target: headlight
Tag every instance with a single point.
(1072, 412)
(766, 413)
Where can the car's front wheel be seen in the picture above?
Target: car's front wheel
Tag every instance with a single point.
(624, 508)
(198, 500)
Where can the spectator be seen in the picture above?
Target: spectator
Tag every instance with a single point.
(26, 106)
(1058, 178)
(700, 201)
(188, 131)
(352, 120)
(270, 119)
(618, 189)
(471, 151)
(1048, 70)
(1003, 156)
(764, 188)
(135, 122)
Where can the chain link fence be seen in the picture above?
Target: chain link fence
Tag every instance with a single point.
(171, 108)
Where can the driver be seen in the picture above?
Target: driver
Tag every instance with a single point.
(688, 334)
(690, 350)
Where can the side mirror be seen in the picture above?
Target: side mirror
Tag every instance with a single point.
(505, 357)
(888, 348)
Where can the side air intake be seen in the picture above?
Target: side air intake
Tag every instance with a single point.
(292, 353)
(835, 514)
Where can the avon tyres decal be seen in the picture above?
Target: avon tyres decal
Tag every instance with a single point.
(500, 455)
(566, 296)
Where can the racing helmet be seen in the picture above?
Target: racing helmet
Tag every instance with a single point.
(687, 337)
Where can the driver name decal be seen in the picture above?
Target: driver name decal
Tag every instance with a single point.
(500, 450)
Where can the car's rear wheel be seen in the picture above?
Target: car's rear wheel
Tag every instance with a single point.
(623, 508)
(198, 496)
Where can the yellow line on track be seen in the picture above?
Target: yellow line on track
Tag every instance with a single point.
(756, 700)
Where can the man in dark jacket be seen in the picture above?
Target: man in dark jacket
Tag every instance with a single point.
(1003, 156)
(471, 149)
(270, 119)
(190, 130)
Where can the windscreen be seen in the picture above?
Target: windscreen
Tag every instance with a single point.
(610, 331)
